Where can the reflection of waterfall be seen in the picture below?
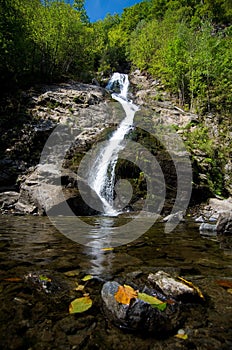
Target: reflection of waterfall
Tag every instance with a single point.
(102, 178)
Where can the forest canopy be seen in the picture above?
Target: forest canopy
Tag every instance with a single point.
(185, 43)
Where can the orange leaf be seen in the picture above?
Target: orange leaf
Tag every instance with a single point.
(13, 279)
(125, 294)
(224, 283)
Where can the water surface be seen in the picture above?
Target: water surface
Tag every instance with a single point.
(34, 319)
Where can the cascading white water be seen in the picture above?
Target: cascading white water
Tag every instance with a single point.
(103, 170)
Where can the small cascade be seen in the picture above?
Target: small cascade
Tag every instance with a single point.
(102, 178)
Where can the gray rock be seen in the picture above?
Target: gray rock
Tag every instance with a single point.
(8, 199)
(224, 223)
(208, 229)
(139, 315)
(177, 217)
(200, 219)
(43, 192)
(172, 287)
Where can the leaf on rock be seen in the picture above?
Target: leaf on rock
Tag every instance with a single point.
(125, 294)
(225, 283)
(191, 285)
(80, 305)
(87, 278)
(153, 301)
(107, 249)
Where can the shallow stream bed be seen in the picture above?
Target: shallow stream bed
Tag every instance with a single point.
(33, 317)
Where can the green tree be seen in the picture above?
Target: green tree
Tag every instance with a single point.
(79, 5)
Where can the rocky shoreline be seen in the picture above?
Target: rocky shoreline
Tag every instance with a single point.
(88, 115)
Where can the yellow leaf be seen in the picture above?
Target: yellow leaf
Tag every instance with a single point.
(72, 273)
(190, 284)
(80, 305)
(229, 290)
(80, 287)
(182, 336)
(125, 294)
(87, 278)
(107, 249)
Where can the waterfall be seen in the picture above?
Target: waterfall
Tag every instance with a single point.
(102, 179)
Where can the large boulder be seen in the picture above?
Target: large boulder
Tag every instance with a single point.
(47, 191)
(139, 315)
(224, 223)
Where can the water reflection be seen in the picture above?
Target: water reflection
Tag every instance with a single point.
(101, 263)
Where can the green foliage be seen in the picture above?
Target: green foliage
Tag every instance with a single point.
(187, 44)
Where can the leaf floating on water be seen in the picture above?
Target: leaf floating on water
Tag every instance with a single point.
(44, 278)
(80, 287)
(125, 294)
(72, 273)
(80, 305)
(13, 279)
(153, 301)
(87, 278)
(225, 283)
(190, 284)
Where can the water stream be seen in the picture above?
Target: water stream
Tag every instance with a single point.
(102, 177)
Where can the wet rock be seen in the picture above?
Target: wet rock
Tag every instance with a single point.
(208, 229)
(177, 217)
(224, 223)
(174, 288)
(48, 282)
(139, 315)
(200, 219)
(7, 199)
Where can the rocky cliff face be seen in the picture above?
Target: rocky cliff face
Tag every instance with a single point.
(90, 115)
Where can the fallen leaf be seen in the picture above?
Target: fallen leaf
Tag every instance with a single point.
(80, 287)
(229, 290)
(80, 305)
(107, 249)
(153, 301)
(125, 294)
(87, 278)
(190, 284)
(13, 279)
(225, 283)
(72, 273)
(44, 278)
(181, 334)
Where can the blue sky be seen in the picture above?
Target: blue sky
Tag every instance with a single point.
(98, 9)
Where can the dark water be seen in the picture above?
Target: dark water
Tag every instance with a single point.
(31, 318)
